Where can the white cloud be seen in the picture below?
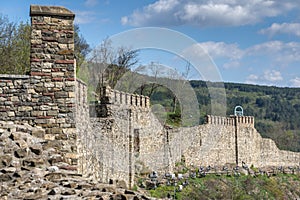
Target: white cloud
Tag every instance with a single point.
(208, 13)
(280, 52)
(84, 17)
(232, 64)
(277, 53)
(269, 77)
(252, 79)
(272, 76)
(217, 50)
(91, 3)
(284, 28)
(221, 49)
(295, 82)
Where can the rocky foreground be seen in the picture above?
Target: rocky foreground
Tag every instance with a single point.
(30, 169)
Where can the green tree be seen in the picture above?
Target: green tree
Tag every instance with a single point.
(81, 47)
(14, 47)
(111, 63)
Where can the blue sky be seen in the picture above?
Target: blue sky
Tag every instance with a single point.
(255, 42)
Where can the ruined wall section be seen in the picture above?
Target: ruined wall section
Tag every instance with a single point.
(15, 96)
(262, 152)
(46, 98)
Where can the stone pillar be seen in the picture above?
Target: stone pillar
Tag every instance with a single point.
(147, 102)
(142, 101)
(108, 94)
(53, 76)
(208, 119)
(128, 97)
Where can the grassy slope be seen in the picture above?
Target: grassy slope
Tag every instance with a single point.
(282, 186)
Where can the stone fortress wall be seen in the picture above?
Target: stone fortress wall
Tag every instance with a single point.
(121, 137)
(130, 140)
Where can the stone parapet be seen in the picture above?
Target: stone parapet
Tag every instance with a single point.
(230, 121)
(116, 97)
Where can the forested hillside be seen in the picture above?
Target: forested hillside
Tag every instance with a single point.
(276, 110)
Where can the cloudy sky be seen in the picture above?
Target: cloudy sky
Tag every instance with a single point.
(255, 42)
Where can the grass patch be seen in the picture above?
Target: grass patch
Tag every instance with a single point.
(282, 186)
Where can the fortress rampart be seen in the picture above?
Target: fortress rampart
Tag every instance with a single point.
(124, 137)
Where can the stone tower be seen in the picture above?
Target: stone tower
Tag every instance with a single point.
(53, 77)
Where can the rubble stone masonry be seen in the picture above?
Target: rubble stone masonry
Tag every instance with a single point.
(46, 98)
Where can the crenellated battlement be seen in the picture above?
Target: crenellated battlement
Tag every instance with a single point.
(230, 121)
(244, 119)
(116, 97)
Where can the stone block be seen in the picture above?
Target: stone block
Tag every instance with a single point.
(52, 113)
(37, 113)
(22, 144)
(47, 65)
(14, 98)
(61, 137)
(30, 91)
(70, 131)
(61, 94)
(49, 137)
(71, 155)
(59, 84)
(8, 103)
(55, 131)
(5, 160)
(5, 177)
(39, 133)
(58, 74)
(40, 121)
(45, 107)
(25, 108)
(11, 114)
(61, 121)
(70, 83)
(63, 46)
(46, 70)
(36, 41)
(71, 94)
